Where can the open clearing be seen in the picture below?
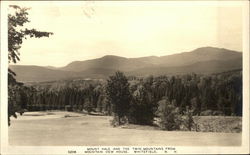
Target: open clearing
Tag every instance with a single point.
(73, 129)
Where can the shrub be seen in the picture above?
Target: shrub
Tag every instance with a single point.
(188, 120)
(116, 121)
(170, 118)
(88, 106)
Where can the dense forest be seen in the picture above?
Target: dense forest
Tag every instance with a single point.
(215, 94)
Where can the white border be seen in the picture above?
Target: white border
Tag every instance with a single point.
(244, 148)
(3, 82)
(246, 41)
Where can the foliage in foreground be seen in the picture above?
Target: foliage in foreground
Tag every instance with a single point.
(16, 33)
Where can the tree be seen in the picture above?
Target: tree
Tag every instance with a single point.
(170, 118)
(13, 101)
(118, 95)
(141, 110)
(16, 33)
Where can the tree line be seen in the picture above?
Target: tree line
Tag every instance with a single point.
(138, 99)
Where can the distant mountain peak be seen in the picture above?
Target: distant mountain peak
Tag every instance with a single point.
(112, 56)
(201, 60)
(211, 48)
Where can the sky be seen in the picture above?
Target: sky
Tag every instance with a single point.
(89, 30)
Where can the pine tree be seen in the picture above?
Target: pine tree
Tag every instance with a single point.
(118, 95)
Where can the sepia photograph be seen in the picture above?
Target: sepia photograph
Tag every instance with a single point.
(124, 75)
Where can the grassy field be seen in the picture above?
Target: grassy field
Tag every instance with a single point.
(74, 129)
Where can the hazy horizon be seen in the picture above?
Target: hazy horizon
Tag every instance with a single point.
(117, 56)
(89, 30)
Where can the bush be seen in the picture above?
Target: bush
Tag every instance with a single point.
(88, 106)
(187, 120)
(116, 121)
(170, 118)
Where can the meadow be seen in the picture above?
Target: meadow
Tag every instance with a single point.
(60, 128)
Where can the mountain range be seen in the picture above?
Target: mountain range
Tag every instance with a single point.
(203, 60)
